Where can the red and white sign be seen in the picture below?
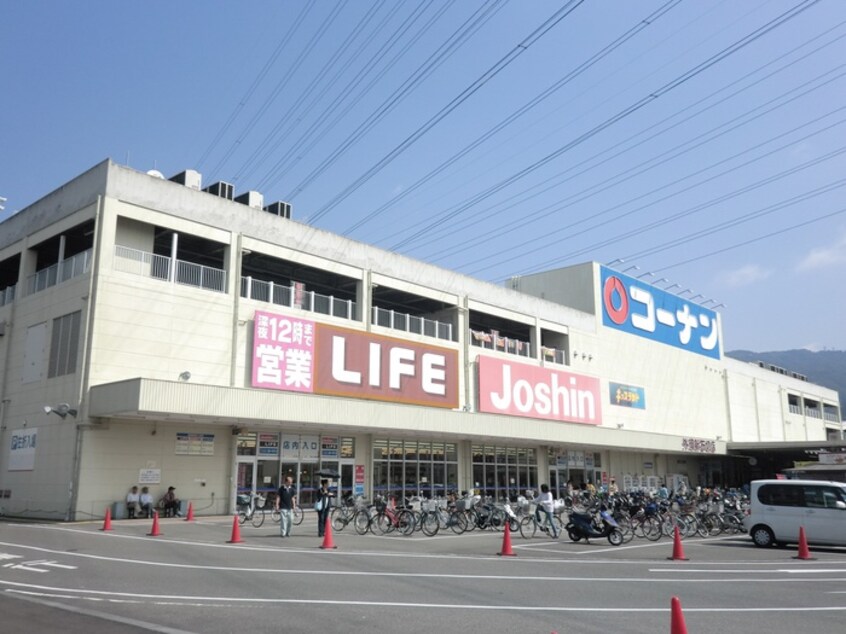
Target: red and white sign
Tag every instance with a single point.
(283, 349)
(517, 389)
(362, 365)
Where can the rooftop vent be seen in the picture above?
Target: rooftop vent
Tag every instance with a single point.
(280, 209)
(189, 178)
(251, 199)
(222, 189)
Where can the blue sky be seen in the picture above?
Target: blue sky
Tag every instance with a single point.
(701, 142)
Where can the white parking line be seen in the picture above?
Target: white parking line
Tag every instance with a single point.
(397, 604)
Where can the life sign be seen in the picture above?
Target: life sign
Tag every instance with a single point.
(363, 365)
(650, 312)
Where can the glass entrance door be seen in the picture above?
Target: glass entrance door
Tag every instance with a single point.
(246, 478)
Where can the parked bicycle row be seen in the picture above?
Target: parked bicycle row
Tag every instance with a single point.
(619, 518)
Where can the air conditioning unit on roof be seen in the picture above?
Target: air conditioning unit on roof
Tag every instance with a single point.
(221, 189)
(190, 178)
(251, 199)
(279, 208)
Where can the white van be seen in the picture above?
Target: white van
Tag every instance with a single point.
(778, 508)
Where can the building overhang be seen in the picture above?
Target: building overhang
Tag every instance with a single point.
(788, 446)
(150, 400)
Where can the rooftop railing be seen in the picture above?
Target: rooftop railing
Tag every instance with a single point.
(7, 295)
(295, 296)
(74, 266)
(160, 267)
(412, 323)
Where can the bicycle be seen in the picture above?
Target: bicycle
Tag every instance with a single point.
(251, 507)
(530, 525)
(388, 519)
(296, 515)
(342, 515)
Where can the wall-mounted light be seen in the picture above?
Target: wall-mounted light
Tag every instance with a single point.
(619, 425)
(719, 437)
(62, 410)
(185, 376)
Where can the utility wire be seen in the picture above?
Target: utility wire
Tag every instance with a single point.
(566, 79)
(675, 153)
(327, 120)
(518, 50)
(444, 52)
(626, 112)
(256, 82)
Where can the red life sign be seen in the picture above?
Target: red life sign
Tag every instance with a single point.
(363, 365)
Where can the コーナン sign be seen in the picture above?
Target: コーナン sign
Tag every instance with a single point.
(518, 389)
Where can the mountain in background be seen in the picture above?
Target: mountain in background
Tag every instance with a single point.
(826, 368)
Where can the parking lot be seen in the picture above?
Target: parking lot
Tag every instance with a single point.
(190, 578)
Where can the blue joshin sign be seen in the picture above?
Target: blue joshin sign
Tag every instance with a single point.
(647, 311)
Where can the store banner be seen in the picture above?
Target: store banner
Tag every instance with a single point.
(309, 448)
(303, 356)
(362, 365)
(518, 389)
(638, 308)
(329, 448)
(22, 449)
(268, 445)
(283, 352)
(576, 459)
(627, 395)
(290, 447)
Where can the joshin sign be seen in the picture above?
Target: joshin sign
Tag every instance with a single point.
(518, 389)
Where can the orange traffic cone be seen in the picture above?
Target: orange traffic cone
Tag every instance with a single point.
(236, 532)
(678, 551)
(506, 542)
(155, 531)
(677, 624)
(327, 535)
(107, 522)
(190, 516)
(804, 552)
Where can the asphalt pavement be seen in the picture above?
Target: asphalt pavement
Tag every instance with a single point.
(208, 576)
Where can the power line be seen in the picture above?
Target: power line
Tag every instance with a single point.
(623, 114)
(566, 79)
(518, 50)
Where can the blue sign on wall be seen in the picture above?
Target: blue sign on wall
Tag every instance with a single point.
(648, 311)
(627, 395)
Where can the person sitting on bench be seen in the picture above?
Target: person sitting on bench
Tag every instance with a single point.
(132, 500)
(146, 503)
(170, 503)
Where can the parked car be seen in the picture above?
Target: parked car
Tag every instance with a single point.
(779, 508)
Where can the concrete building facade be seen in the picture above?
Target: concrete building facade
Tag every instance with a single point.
(159, 333)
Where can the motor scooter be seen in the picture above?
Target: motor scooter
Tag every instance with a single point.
(586, 526)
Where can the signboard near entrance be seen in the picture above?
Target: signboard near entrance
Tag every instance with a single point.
(359, 480)
(268, 445)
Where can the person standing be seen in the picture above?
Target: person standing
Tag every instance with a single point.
(286, 498)
(324, 506)
(546, 505)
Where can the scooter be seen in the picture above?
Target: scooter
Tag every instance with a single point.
(585, 526)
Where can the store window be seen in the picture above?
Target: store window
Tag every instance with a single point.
(409, 468)
(504, 472)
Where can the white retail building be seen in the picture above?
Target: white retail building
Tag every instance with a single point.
(159, 333)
